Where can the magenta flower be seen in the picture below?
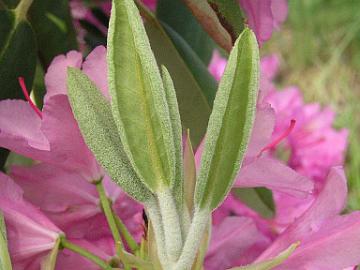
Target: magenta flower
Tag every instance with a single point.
(328, 240)
(37, 135)
(264, 16)
(72, 203)
(31, 234)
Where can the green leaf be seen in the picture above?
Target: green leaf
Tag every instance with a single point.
(54, 29)
(272, 263)
(17, 55)
(189, 173)
(221, 19)
(10, 3)
(193, 84)
(176, 15)
(5, 262)
(177, 133)
(49, 262)
(97, 125)
(230, 123)
(17, 58)
(258, 199)
(138, 100)
(200, 72)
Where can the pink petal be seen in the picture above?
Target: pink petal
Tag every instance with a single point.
(66, 142)
(95, 66)
(279, 9)
(335, 246)
(269, 66)
(217, 65)
(260, 18)
(328, 204)
(20, 129)
(65, 196)
(271, 173)
(262, 130)
(233, 239)
(29, 231)
(55, 78)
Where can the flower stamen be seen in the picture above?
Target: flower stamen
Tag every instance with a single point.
(274, 143)
(26, 94)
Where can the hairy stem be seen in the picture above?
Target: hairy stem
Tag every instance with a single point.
(193, 240)
(153, 212)
(171, 224)
(85, 253)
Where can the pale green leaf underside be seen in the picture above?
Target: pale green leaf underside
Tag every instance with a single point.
(272, 263)
(97, 125)
(138, 99)
(177, 133)
(5, 262)
(230, 123)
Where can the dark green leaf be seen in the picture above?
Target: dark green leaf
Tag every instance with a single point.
(176, 15)
(54, 30)
(256, 201)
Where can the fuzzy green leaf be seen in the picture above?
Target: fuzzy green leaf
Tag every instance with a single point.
(5, 262)
(138, 100)
(230, 123)
(189, 173)
(97, 125)
(177, 133)
(272, 263)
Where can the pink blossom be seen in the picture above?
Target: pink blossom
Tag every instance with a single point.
(217, 65)
(31, 234)
(72, 203)
(264, 16)
(24, 132)
(151, 4)
(328, 240)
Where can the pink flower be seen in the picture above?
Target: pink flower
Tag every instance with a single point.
(217, 65)
(314, 144)
(264, 16)
(30, 234)
(53, 136)
(328, 240)
(151, 4)
(72, 203)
